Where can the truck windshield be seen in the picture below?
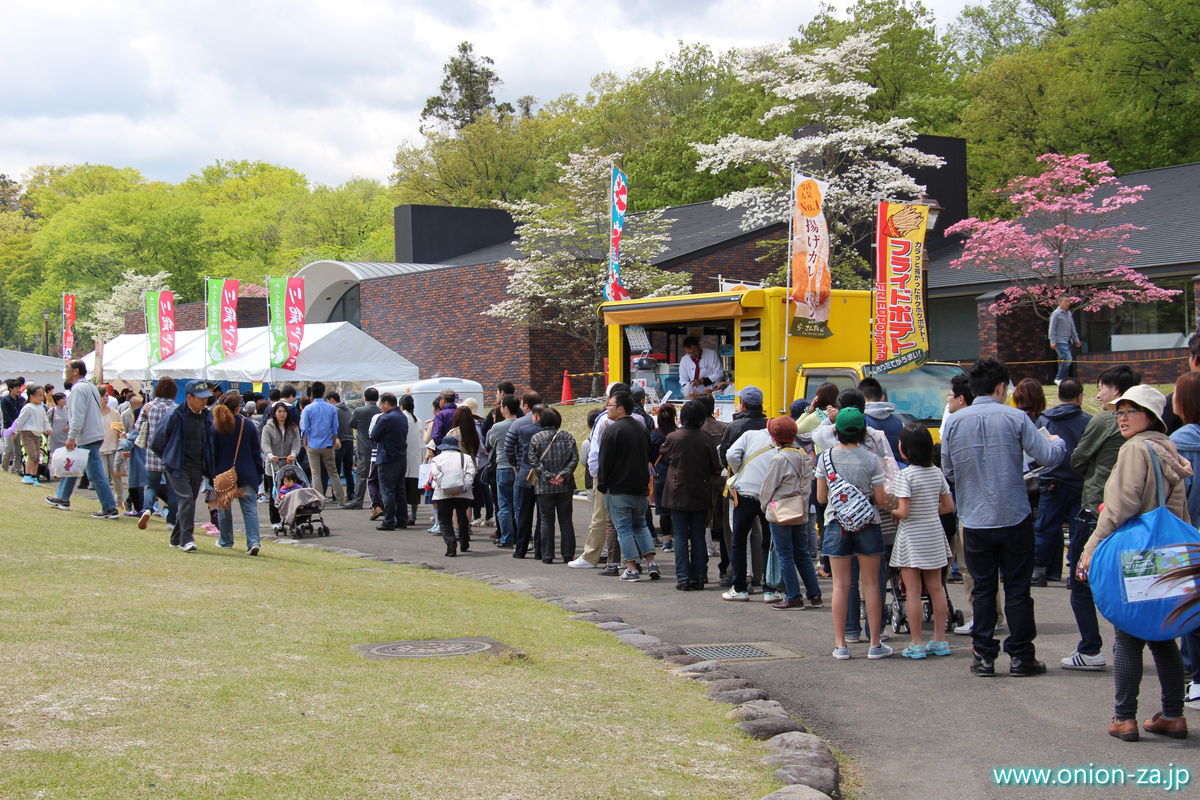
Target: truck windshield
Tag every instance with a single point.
(920, 395)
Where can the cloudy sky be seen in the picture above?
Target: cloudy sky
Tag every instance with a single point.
(329, 87)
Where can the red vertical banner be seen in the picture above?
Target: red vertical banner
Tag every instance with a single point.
(229, 325)
(68, 331)
(166, 324)
(293, 310)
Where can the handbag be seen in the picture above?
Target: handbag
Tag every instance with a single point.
(791, 510)
(225, 485)
(1128, 571)
(532, 475)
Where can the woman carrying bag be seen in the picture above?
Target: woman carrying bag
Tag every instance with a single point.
(235, 453)
(784, 496)
(1133, 489)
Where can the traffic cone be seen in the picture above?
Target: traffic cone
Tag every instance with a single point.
(568, 397)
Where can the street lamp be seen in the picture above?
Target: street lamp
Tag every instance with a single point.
(934, 210)
(46, 333)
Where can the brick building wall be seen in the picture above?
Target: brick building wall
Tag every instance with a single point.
(1021, 337)
(737, 260)
(252, 313)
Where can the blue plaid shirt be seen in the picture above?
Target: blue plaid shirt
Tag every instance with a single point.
(319, 424)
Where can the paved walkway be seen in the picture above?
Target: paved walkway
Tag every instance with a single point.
(914, 729)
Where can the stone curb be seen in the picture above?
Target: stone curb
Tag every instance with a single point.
(805, 763)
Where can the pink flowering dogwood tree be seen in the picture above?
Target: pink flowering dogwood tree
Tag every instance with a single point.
(1059, 244)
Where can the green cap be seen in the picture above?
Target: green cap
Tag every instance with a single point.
(850, 421)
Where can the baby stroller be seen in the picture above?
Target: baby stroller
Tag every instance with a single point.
(300, 509)
(896, 612)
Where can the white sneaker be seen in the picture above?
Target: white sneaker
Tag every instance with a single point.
(189, 547)
(1191, 695)
(772, 597)
(734, 594)
(965, 630)
(581, 563)
(1078, 660)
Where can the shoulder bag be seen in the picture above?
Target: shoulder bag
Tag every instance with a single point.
(1131, 571)
(225, 485)
(531, 476)
(851, 507)
(790, 510)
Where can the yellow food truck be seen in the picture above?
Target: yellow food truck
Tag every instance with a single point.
(749, 330)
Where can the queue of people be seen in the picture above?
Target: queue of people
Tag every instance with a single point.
(839, 488)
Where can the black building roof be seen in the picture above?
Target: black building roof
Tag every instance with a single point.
(1168, 214)
(697, 227)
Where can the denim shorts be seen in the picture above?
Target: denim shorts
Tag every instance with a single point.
(867, 542)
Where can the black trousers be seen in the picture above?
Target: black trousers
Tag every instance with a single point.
(373, 486)
(344, 458)
(448, 510)
(989, 552)
(525, 522)
(391, 489)
(549, 506)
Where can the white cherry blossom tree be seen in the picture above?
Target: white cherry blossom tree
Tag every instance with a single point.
(558, 282)
(823, 94)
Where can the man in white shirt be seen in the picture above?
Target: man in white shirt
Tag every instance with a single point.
(700, 369)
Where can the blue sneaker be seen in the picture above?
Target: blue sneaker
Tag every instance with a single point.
(914, 651)
(841, 653)
(937, 648)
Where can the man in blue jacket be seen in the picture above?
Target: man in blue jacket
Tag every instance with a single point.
(881, 415)
(1060, 486)
(183, 444)
(390, 436)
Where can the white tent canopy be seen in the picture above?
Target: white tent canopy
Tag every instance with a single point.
(331, 351)
(35, 369)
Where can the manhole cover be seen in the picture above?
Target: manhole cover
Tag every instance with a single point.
(741, 651)
(432, 648)
(727, 651)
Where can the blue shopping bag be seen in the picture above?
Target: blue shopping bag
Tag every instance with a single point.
(1127, 569)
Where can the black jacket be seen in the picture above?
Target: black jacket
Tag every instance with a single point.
(745, 421)
(391, 437)
(624, 458)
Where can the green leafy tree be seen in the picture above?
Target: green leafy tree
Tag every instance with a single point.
(49, 188)
(467, 90)
(496, 157)
(912, 70)
(558, 281)
(345, 222)
(243, 204)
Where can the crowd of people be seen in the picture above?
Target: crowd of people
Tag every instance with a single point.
(839, 488)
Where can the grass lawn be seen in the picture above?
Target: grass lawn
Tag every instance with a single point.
(129, 669)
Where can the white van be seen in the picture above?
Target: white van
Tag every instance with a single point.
(425, 391)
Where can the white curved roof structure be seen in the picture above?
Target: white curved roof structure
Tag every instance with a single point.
(326, 281)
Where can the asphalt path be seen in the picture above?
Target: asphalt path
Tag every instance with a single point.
(913, 729)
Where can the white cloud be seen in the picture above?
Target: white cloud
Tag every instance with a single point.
(329, 87)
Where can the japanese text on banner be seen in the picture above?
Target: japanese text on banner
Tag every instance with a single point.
(808, 256)
(286, 307)
(68, 331)
(221, 331)
(900, 328)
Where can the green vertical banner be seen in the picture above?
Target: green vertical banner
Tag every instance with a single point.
(152, 327)
(277, 316)
(220, 331)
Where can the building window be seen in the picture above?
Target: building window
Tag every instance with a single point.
(1142, 326)
(348, 308)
